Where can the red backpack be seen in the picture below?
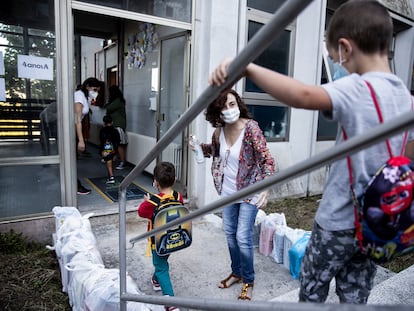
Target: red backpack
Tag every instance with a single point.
(384, 214)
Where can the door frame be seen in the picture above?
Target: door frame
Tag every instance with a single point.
(64, 13)
(186, 91)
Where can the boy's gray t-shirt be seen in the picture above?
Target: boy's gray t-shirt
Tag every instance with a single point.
(354, 109)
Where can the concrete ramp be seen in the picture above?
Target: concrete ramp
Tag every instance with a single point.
(196, 271)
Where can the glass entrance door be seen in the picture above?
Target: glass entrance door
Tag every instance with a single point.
(173, 96)
(29, 131)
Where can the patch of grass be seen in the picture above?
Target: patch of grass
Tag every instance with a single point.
(300, 213)
(30, 276)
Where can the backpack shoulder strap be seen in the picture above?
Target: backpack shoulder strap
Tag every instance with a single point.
(154, 199)
(176, 195)
(378, 109)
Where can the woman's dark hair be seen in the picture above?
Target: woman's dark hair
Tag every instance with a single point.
(114, 93)
(213, 112)
(164, 174)
(91, 82)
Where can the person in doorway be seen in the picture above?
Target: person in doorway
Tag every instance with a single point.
(82, 98)
(109, 138)
(240, 158)
(164, 180)
(116, 109)
(358, 39)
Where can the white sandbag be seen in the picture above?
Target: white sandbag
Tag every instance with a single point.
(62, 212)
(80, 271)
(101, 292)
(79, 249)
(75, 225)
(291, 236)
(69, 224)
(279, 240)
(267, 230)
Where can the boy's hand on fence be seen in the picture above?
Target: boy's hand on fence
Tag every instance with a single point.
(219, 75)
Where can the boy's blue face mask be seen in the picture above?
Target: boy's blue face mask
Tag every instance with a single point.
(339, 70)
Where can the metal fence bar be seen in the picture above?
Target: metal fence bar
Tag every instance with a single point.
(231, 305)
(263, 38)
(353, 145)
(348, 147)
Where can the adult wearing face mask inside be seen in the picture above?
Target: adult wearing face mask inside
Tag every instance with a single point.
(240, 158)
(82, 98)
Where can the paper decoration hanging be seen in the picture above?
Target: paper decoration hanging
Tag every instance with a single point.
(140, 44)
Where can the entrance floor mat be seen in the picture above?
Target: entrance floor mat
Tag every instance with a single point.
(110, 191)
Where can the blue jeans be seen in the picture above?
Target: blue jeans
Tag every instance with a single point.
(238, 224)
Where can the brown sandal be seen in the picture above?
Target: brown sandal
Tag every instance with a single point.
(230, 280)
(246, 292)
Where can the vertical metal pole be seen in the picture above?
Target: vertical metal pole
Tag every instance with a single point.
(122, 248)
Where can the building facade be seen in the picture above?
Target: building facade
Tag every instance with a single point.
(160, 54)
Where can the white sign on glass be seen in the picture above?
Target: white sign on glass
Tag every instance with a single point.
(33, 67)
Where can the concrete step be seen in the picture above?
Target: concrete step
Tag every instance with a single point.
(382, 276)
(398, 289)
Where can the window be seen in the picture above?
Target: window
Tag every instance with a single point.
(28, 101)
(179, 10)
(327, 129)
(272, 116)
(265, 5)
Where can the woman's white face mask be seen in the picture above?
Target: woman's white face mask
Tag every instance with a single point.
(231, 115)
(92, 95)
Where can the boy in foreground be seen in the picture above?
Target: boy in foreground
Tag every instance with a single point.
(358, 38)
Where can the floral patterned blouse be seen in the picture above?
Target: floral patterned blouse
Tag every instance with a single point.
(255, 161)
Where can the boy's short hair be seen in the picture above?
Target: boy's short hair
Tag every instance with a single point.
(107, 119)
(164, 174)
(366, 22)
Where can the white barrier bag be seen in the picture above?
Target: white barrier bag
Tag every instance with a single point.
(279, 240)
(296, 254)
(267, 230)
(261, 215)
(291, 236)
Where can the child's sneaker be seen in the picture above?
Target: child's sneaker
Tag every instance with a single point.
(82, 190)
(110, 180)
(155, 285)
(120, 166)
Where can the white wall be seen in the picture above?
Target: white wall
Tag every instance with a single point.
(215, 31)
